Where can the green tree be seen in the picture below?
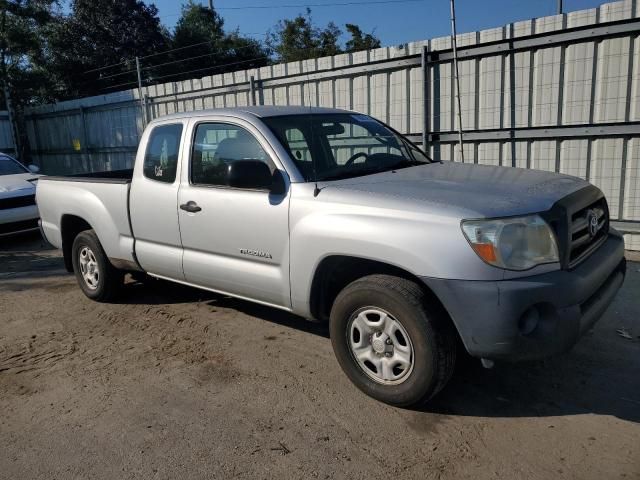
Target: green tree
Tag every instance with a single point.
(99, 33)
(329, 39)
(21, 48)
(300, 39)
(198, 24)
(360, 41)
(22, 81)
(202, 47)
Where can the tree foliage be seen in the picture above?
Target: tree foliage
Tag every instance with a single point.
(22, 50)
(47, 54)
(201, 45)
(360, 41)
(22, 80)
(99, 33)
(301, 39)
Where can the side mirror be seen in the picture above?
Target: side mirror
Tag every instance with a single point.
(278, 184)
(34, 168)
(251, 174)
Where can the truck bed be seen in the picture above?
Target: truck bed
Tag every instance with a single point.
(100, 199)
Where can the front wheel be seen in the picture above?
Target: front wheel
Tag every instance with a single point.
(390, 342)
(98, 279)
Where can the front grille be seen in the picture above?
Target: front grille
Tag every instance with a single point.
(588, 229)
(14, 227)
(569, 218)
(17, 202)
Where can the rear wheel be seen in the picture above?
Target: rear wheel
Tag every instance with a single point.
(98, 279)
(390, 342)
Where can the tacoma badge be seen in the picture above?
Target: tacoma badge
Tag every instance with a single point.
(255, 253)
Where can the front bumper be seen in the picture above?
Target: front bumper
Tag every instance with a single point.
(538, 316)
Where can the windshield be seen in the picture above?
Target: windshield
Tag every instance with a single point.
(334, 146)
(8, 166)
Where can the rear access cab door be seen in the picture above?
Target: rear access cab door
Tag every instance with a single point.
(234, 239)
(154, 198)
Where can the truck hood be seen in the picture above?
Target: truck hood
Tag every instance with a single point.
(457, 189)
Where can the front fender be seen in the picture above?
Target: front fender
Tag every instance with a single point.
(434, 249)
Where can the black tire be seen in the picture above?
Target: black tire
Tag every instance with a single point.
(109, 281)
(430, 332)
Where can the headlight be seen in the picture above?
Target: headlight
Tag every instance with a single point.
(517, 243)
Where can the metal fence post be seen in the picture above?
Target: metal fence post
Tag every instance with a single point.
(143, 103)
(454, 44)
(260, 92)
(252, 90)
(426, 98)
(83, 146)
(12, 126)
(512, 98)
(148, 103)
(36, 143)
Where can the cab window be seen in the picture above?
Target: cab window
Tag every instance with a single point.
(161, 157)
(216, 146)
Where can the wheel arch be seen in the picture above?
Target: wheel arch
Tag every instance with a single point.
(335, 272)
(70, 227)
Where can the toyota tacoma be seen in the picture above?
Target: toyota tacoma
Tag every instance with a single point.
(334, 216)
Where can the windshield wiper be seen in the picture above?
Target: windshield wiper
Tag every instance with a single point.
(346, 174)
(405, 163)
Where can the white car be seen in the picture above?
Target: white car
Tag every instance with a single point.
(18, 210)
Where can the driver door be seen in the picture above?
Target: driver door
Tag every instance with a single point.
(235, 240)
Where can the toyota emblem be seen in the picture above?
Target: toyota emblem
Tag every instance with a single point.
(592, 220)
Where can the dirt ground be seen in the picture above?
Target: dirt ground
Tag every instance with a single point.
(174, 382)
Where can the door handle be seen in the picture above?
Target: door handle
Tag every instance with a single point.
(191, 207)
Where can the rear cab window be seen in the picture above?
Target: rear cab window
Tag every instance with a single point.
(161, 156)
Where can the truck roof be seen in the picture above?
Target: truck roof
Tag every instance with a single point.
(261, 111)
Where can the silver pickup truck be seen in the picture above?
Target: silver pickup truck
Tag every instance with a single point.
(334, 216)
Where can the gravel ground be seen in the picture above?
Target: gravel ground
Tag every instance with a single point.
(174, 382)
